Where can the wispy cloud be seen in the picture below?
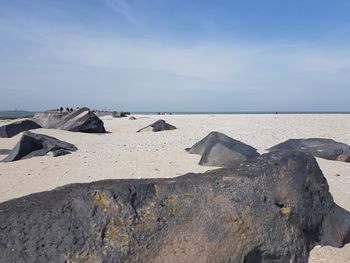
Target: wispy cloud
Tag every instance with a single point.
(123, 8)
(61, 62)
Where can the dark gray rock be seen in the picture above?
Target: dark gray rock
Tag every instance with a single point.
(12, 129)
(120, 114)
(114, 114)
(273, 208)
(4, 151)
(60, 152)
(100, 113)
(218, 149)
(319, 147)
(132, 118)
(159, 125)
(33, 144)
(79, 120)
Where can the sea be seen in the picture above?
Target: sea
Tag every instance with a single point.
(25, 114)
(16, 114)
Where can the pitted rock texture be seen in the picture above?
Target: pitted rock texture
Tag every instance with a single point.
(273, 208)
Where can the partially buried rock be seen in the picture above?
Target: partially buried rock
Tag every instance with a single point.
(120, 114)
(343, 158)
(159, 125)
(80, 120)
(12, 129)
(273, 208)
(217, 149)
(319, 147)
(33, 144)
(132, 118)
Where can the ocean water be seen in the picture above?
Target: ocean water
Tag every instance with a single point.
(21, 114)
(246, 112)
(15, 114)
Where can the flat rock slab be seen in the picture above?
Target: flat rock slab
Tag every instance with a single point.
(33, 144)
(159, 125)
(273, 208)
(218, 149)
(12, 129)
(319, 147)
(80, 120)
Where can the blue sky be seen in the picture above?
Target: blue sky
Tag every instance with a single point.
(175, 55)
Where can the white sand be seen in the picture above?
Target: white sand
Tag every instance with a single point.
(123, 153)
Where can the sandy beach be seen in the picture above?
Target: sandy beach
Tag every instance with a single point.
(123, 153)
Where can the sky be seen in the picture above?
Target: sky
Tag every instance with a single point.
(175, 55)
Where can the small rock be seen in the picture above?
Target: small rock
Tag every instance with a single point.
(159, 125)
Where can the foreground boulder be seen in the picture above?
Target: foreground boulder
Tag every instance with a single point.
(273, 208)
(217, 149)
(33, 144)
(319, 147)
(159, 125)
(12, 129)
(80, 120)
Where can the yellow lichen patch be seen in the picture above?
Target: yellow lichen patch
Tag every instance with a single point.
(172, 211)
(187, 195)
(102, 200)
(147, 216)
(285, 210)
(85, 256)
(118, 206)
(116, 234)
(111, 231)
(170, 200)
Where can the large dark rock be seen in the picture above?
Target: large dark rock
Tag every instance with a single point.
(12, 129)
(217, 149)
(273, 208)
(159, 125)
(80, 120)
(33, 144)
(323, 148)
